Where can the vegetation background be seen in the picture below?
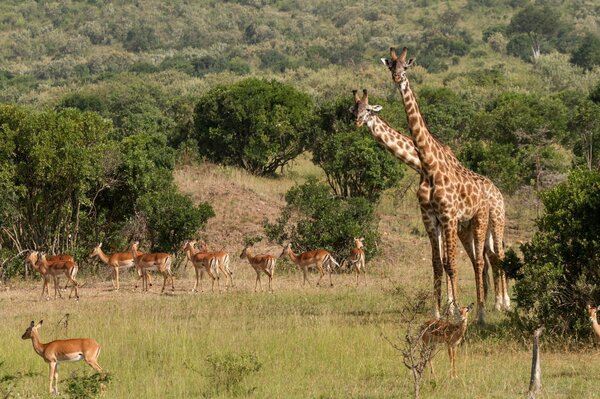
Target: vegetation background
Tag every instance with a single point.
(110, 126)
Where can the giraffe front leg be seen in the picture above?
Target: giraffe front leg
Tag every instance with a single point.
(449, 246)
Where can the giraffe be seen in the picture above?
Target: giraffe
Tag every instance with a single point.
(458, 197)
(402, 147)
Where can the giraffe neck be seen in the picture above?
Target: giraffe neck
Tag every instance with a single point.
(399, 145)
(422, 138)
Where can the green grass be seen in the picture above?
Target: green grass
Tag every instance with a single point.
(312, 342)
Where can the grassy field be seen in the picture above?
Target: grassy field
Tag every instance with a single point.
(300, 342)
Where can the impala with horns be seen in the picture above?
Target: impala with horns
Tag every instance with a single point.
(318, 258)
(116, 261)
(63, 350)
(203, 262)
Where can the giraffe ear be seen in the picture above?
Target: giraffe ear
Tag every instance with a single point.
(410, 62)
(351, 109)
(375, 108)
(386, 62)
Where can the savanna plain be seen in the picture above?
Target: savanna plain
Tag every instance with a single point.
(298, 342)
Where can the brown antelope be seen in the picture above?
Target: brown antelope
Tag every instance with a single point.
(54, 269)
(116, 261)
(317, 258)
(222, 262)
(260, 263)
(357, 258)
(63, 350)
(438, 331)
(159, 261)
(59, 257)
(203, 262)
(592, 312)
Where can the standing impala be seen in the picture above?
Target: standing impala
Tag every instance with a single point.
(203, 262)
(438, 331)
(260, 263)
(159, 261)
(63, 350)
(357, 258)
(53, 269)
(222, 259)
(116, 261)
(594, 319)
(317, 258)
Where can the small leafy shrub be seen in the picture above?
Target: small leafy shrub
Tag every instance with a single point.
(560, 268)
(227, 372)
(81, 386)
(313, 218)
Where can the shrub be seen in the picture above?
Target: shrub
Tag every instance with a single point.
(80, 386)
(354, 163)
(313, 218)
(227, 372)
(560, 266)
(587, 55)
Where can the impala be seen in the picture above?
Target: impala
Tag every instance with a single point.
(260, 263)
(593, 318)
(222, 260)
(62, 350)
(116, 261)
(203, 262)
(317, 258)
(54, 269)
(438, 331)
(159, 261)
(357, 258)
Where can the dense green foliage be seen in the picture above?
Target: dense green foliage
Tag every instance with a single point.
(67, 183)
(254, 124)
(560, 268)
(314, 218)
(354, 163)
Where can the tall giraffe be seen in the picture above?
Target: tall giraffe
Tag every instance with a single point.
(458, 196)
(402, 147)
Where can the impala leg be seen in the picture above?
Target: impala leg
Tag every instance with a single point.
(270, 281)
(73, 287)
(165, 277)
(257, 280)
(57, 288)
(52, 366)
(364, 270)
(44, 288)
(117, 277)
(195, 289)
(329, 270)
(305, 273)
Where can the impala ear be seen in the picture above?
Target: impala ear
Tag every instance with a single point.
(100, 245)
(40, 323)
(32, 324)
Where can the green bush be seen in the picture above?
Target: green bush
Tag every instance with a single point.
(587, 54)
(313, 218)
(560, 267)
(354, 163)
(226, 373)
(81, 386)
(254, 124)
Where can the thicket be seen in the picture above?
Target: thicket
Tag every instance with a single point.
(559, 273)
(315, 218)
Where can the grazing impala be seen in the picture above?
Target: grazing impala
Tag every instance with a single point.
(357, 258)
(438, 331)
(593, 318)
(260, 263)
(62, 350)
(317, 258)
(203, 262)
(159, 261)
(116, 261)
(53, 269)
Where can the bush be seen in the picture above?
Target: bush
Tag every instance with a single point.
(587, 55)
(313, 218)
(560, 267)
(354, 163)
(87, 386)
(227, 372)
(254, 124)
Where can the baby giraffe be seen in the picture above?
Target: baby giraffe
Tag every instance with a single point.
(438, 331)
(63, 350)
(592, 311)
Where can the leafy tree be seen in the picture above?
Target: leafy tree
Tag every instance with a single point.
(585, 123)
(254, 124)
(354, 163)
(141, 37)
(560, 265)
(540, 23)
(587, 55)
(313, 218)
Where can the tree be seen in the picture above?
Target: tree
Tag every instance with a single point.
(560, 264)
(541, 24)
(585, 122)
(587, 55)
(255, 124)
(354, 163)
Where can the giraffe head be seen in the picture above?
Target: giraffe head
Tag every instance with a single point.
(398, 66)
(361, 109)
